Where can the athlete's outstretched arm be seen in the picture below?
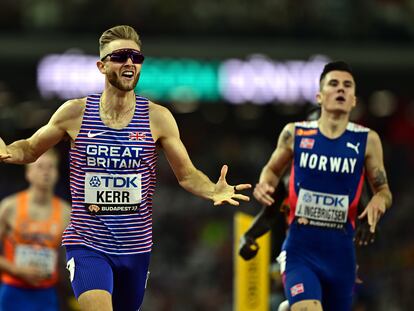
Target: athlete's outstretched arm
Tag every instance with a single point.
(165, 132)
(377, 177)
(275, 167)
(28, 150)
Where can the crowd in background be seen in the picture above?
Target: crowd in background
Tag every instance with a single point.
(347, 19)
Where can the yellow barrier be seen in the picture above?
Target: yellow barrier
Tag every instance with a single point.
(251, 281)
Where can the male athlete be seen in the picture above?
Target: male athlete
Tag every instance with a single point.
(114, 136)
(329, 159)
(31, 227)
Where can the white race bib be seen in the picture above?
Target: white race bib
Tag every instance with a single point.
(42, 258)
(112, 193)
(322, 207)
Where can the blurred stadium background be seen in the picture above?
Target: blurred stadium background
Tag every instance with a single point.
(233, 73)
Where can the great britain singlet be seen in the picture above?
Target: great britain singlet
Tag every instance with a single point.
(112, 181)
(327, 175)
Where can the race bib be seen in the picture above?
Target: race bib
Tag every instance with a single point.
(112, 193)
(322, 209)
(41, 258)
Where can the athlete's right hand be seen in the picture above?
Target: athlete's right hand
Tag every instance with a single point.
(3, 151)
(263, 193)
(248, 247)
(30, 275)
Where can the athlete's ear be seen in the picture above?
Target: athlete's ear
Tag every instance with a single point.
(354, 101)
(101, 66)
(319, 98)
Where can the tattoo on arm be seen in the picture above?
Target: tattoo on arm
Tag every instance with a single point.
(379, 178)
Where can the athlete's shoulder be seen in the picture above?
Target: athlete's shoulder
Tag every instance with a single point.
(10, 200)
(373, 137)
(159, 112)
(72, 108)
(153, 107)
(357, 128)
(8, 205)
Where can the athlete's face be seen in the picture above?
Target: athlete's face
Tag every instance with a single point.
(337, 92)
(44, 172)
(124, 76)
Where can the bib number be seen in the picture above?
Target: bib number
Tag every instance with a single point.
(112, 193)
(41, 258)
(322, 209)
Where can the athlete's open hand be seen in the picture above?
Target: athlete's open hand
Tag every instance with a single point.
(225, 193)
(374, 210)
(263, 193)
(3, 151)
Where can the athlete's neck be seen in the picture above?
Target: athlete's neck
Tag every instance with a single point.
(40, 196)
(117, 108)
(332, 125)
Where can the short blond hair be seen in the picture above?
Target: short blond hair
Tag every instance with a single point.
(124, 32)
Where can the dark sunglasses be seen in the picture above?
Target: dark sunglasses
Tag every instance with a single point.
(121, 56)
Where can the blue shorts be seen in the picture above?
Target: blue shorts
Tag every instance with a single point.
(319, 269)
(21, 299)
(123, 276)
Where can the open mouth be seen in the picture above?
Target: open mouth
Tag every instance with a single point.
(128, 74)
(340, 99)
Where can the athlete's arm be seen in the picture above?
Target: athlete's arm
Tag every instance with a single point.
(62, 123)
(165, 132)
(377, 177)
(275, 167)
(66, 209)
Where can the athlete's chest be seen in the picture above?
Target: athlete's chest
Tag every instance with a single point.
(37, 230)
(343, 155)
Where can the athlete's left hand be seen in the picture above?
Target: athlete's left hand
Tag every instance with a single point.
(225, 193)
(374, 210)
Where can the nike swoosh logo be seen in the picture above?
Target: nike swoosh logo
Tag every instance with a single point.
(92, 135)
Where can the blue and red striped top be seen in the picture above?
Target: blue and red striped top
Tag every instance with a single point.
(112, 182)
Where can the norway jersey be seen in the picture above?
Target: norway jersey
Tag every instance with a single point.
(112, 180)
(327, 175)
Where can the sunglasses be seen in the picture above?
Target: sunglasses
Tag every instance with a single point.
(121, 56)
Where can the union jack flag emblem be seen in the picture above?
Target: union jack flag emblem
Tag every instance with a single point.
(297, 289)
(307, 143)
(138, 136)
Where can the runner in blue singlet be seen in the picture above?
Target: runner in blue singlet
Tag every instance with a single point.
(329, 159)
